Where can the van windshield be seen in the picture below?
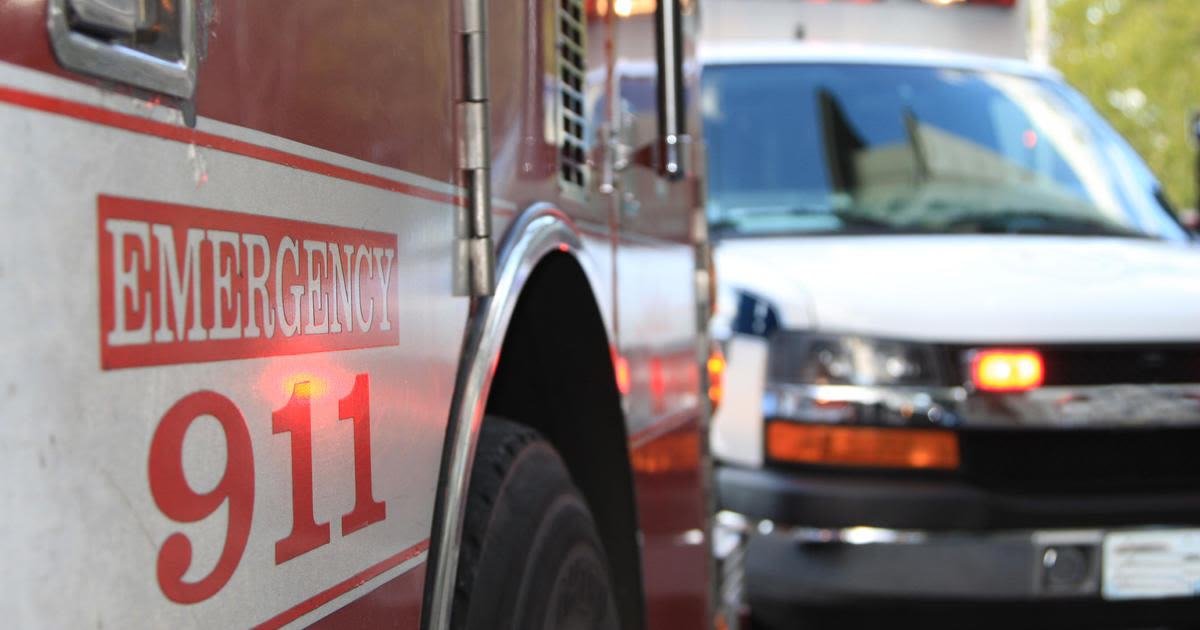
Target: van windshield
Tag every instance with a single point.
(868, 149)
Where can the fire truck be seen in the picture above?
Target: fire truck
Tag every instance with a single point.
(352, 314)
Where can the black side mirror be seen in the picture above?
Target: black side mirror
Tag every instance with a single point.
(1191, 220)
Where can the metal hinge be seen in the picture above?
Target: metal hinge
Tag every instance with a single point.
(474, 253)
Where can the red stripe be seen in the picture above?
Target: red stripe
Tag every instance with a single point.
(341, 588)
(167, 131)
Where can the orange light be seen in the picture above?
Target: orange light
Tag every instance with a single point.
(1007, 370)
(277, 380)
(318, 385)
(716, 363)
(862, 446)
(622, 368)
(626, 8)
(716, 377)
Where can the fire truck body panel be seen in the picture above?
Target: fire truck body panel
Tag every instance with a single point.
(234, 350)
(76, 472)
(307, 72)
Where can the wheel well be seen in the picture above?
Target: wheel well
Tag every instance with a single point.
(556, 375)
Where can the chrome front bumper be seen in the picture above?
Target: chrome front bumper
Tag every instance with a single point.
(1053, 578)
(863, 564)
(1059, 407)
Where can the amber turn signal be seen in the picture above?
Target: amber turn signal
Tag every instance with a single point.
(716, 377)
(1007, 370)
(869, 447)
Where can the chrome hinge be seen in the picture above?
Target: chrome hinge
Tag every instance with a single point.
(474, 253)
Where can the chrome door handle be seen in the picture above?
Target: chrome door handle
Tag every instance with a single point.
(122, 17)
(101, 38)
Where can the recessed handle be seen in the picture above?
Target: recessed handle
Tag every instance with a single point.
(120, 17)
(106, 38)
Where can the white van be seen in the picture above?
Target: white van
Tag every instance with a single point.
(962, 332)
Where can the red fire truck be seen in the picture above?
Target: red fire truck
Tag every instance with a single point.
(351, 314)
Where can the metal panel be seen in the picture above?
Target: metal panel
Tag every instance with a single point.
(83, 514)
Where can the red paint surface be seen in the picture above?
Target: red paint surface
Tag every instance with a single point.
(25, 40)
(340, 76)
(670, 494)
(142, 298)
(400, 596)
(396, 604)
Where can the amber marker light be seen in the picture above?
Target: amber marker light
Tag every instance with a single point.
(716, 377)
(621, 367)
(868, 447)
(1007, 370)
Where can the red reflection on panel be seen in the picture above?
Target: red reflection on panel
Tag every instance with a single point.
(278, 379)
(670, 494)
(658, 384)
(674, 452)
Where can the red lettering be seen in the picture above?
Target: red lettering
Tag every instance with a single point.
(296, 418)
(180, 284)
(357, 407)
(178, 501)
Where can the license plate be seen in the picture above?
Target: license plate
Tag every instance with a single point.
(1151, 564)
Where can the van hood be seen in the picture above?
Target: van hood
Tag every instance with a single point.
(971, 288)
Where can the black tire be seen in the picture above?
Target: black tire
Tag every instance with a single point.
(530, 557)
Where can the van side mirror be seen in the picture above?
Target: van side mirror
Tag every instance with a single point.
(1191, 220)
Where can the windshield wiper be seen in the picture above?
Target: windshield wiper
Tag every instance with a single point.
(852, 222)
(860, 221)
(1037, 222)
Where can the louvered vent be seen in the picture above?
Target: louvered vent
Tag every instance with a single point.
(572, 49)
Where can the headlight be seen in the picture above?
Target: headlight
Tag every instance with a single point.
(847, 400)
(820, 359)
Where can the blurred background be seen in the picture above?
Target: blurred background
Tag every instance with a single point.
(1136, 61)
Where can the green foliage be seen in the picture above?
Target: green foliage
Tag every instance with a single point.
(1138, 61)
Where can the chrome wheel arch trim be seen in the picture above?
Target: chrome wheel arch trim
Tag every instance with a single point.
(538, 231)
